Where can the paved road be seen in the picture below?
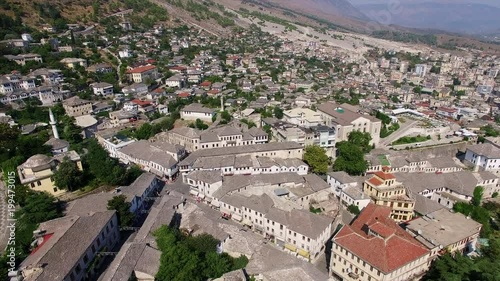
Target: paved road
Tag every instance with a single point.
(403, 129)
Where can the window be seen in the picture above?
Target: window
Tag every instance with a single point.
(98, 242)
(78, 269)
(38, 183)
(85, 259)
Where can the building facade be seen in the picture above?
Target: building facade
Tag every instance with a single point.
(384, 190)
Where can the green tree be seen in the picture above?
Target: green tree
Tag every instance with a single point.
(353, 209)
(226, 116)
(40, 207)
(477, 196)
(350, 158)
(105, 169)
(317, 159)
(360, 139)
(200, 125)
(71, 132)
(67, 175)
(144, 132)
(122, 207)
(278, 112)
(268, 130)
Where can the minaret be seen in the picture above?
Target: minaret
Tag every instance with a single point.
(221, 103)
(53, 124)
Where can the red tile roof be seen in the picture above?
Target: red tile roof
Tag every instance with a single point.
(385, 176)
(205, 84)
(375, 181)
(141, 69)
(141, 102)
(397, 249)
(184, 95)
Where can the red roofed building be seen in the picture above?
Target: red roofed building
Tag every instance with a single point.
(375, 247)
(142, 73)
(384, 190)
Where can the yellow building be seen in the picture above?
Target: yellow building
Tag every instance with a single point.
(37, 172)
(384, 190)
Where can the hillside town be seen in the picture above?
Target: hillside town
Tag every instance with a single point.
(168, 153)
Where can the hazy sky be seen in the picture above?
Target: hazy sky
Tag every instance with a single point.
(495, 3)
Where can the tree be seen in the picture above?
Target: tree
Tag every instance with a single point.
(122, 207)
(360, 139)
(200, 125)
(67, 175)
(105, 169)
(353, 209)
(317, 159)
(350, 158)
(226, 116)
(71, 132)
(477, 196)
(268, 130)
(192, 258)
(278, 112)
(144, 132)
(40, 207)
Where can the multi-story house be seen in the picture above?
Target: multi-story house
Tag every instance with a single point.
(484, 157)
(100, 68)
(339, 181)
(37, 172)
(74, 62)
(14, 83)
(102, 89)
(283, 150)
(112, 142)
(249, 165)
(450, 188)
(159, 158)
(48, 76)
(23, 58)
(175, 81)
(448, 112)
(345, 120)
(75, 106)
(197, 111)
(142, 73)
(384, 190)
(137, 193)
(374, 247)
(303, 117)
(224, 136)
(444, 231)
(299, 232)
(67, 248)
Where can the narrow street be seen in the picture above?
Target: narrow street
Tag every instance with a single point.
(118, 67)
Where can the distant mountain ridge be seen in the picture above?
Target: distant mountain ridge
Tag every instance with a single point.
(341, 8)
(455, 17)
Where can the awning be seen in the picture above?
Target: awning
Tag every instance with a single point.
(237, 217)
(201, 195)
(291, 247)
(303, 253)
(247, 222)
(193, 192)
(215, 203)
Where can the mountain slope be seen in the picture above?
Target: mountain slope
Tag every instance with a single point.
(334, 7)
(455, 17)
